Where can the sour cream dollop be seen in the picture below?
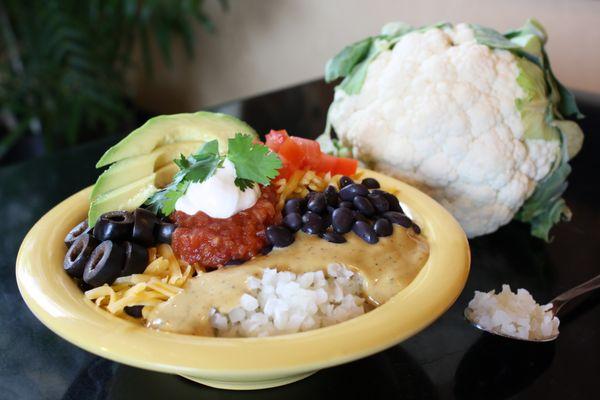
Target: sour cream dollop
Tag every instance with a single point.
(218, 196)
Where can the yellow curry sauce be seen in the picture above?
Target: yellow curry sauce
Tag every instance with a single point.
(386, 267)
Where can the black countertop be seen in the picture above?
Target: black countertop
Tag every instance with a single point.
(449, 359)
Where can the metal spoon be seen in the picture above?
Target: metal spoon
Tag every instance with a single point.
(557, 303)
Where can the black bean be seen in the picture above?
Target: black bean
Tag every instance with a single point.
(346, 204)
(317, 203)
(312, 223)
(399, 218)
(326, 221)
(393, 202)
(416, 228)
(342, 220)
(365, 231)
(330, 210)
(383, 227)
(279, 236)
(345, 181)
(266, 250)
(351, 191)
(333, 237)
(293, 206)
(363, 205)
(358, 216)
(379, 202)
(293, 221)
(331, 195)
(371, 183)
(134, 311)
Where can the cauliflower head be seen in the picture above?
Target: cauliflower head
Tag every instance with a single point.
(470, 116)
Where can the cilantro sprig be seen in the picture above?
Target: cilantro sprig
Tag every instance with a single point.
(254, 163)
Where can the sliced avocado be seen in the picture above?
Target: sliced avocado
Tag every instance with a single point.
(125, 198)
(166, 129)
(131, 169)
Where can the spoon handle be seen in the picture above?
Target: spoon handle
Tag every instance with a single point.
(559, 301)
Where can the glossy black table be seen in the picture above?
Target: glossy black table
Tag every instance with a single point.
(449, 359)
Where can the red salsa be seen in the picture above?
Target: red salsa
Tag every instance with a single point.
(213, 242)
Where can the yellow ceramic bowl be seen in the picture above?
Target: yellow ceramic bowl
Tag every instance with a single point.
(241, 363)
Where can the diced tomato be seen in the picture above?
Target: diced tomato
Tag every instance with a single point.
(304, 154)
(345, 166)
(275, 139)
(292, 152)
(311, 152)
(325, 164)
(286, 169)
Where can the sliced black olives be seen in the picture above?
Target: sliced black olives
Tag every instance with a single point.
(279, 236)
(143, 227)
(105, 264)
(78, 255)
(136, 259)
(164, 232)
(134, 311)
(114, 225)
(76, 232)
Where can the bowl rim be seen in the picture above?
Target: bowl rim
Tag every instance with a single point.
(57, 302)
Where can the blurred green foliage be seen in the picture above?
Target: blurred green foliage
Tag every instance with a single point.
(63, 62)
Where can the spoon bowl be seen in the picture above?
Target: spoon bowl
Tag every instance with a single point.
(467, 314)
(557, 304)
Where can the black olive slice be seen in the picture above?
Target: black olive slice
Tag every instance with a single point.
(134, 311)
(76, 232)
(164, 232)
(143, 227)
(78, 255)
(114, 225)
(136, 259)
(105, 264)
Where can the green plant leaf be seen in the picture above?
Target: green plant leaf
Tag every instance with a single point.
(342, 64)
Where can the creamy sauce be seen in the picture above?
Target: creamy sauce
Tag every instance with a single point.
(386, 267)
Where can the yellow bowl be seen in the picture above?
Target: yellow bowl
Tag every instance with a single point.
(241, 363)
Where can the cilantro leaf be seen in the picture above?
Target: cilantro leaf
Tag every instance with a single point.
(253, 161)
(243, 184)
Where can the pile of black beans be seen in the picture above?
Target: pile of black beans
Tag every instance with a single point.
(116, 246)
(362, 208)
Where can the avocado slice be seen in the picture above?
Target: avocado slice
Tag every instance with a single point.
(126, 198)
(142, 162)
(131, 169)
(201, 126)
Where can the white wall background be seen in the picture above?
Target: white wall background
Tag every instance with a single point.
(262, 45)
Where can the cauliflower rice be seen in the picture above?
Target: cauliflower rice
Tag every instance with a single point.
(283, 302)
(513, 314)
